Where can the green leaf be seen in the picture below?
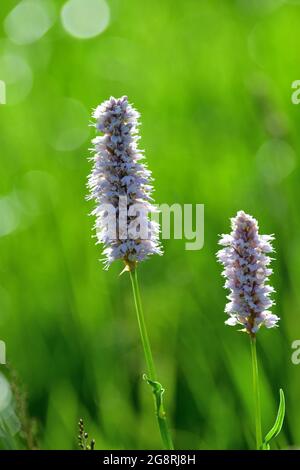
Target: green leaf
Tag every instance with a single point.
(275, 430)
(158, 392)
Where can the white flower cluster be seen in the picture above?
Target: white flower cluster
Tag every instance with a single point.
(245, 260)
(118, 174)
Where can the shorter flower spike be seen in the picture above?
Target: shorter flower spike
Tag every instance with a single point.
(246, 262)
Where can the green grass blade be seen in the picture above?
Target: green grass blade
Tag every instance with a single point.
(275, 430)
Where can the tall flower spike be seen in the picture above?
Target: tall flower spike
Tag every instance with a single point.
(118, 174)
(245, 258)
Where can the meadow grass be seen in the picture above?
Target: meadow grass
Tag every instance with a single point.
(213, 83)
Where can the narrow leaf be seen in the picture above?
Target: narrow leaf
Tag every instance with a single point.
(275, 430)
(158, 392)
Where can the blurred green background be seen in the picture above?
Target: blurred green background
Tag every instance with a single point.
(212, 80)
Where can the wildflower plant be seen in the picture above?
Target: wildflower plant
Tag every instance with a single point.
(246, 260)
(120, 184)
(83, 438)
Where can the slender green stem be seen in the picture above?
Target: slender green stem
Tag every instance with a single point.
(152, 378)
(256, 394)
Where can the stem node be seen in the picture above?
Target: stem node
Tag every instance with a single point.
(157, 388)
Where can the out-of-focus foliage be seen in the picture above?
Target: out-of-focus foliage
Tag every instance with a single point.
(213, 83)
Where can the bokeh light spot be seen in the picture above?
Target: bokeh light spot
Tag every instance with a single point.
(9, 216)
(260, 6)
(276, 160)
(5, 393)
(85, 19)
(69, 127)
(28, 21)
(17, 75)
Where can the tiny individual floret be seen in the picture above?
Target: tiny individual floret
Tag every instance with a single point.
(246, 262)
(120, 184)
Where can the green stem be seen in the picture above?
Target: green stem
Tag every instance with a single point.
(256, 394)
(152, 378)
